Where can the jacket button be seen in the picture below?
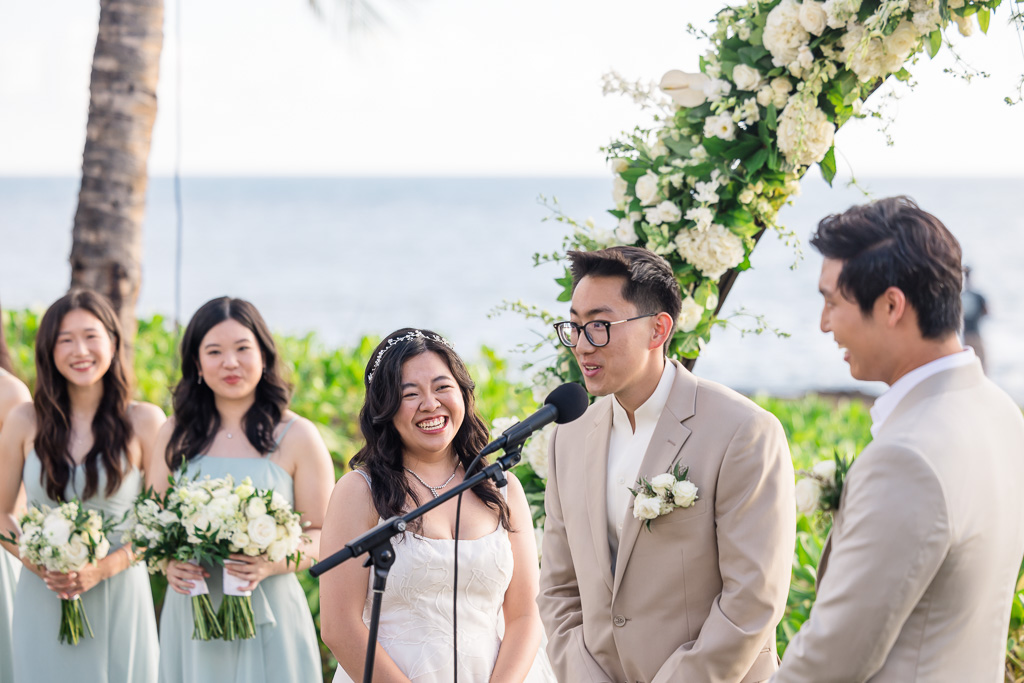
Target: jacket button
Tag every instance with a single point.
(619, 620)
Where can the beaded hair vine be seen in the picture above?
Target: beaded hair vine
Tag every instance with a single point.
(415, 334)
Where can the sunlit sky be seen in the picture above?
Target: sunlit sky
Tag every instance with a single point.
(449, 87)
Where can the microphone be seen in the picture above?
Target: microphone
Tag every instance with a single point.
(566, 403)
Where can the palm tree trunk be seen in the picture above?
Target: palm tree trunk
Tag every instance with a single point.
(106, 251)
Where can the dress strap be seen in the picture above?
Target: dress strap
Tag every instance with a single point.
(284, 431)
(365, 476)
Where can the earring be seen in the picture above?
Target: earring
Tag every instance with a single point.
(200, 380)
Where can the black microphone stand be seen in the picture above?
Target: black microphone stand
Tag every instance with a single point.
(376, 543)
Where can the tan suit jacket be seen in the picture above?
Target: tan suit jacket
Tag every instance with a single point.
(918, 575)
(697, 598)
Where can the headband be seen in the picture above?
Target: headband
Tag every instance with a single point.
(415, 334)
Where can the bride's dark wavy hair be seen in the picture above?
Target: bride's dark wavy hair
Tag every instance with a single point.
(381, 457)
(111, 428)
(196, 419)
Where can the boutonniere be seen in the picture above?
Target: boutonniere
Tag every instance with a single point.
(821, 488)
(662, 494)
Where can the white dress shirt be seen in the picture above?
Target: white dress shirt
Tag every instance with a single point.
(887, 402)
(626, 449)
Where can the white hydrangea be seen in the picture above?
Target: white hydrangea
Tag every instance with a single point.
(711, 252)
(864, 57)
(535, 452)
(841, 12)
(783, 33)
(702, 216)
(805, 134)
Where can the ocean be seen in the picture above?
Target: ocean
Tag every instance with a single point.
(344, 257)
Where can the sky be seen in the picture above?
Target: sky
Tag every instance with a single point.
(447, 88)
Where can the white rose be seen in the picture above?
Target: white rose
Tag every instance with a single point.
(689, 315)
(826, 469)
(245, 489)
(746, 195)
(277, 550)
(619, 165)
(783, 33)
(647, 188)
(720, 126)
(646, 507)
(652, 215)
(813, 17)
(75, 553)
(765, 95)
(903, 40)
(619, 187)
(56, 530)
(805, 134)
(252, 550)
(746, 77)
(712, 252)
(662, 483)
(262, 530)
(684, 493)
(240, 539)
(669, 212)
(808, 493)
(255, 508)
(685, 89)
(102, 548)
(625, 232)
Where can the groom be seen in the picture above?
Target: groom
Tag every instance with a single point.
(697, 596)
(916, 580)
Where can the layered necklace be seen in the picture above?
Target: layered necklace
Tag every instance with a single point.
(434, 489)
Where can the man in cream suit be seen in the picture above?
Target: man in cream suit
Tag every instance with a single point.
(697, 597)
(917, 578)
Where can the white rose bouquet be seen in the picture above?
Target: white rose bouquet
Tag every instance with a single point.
(64, 539)
(260, 522)
(821, 488)
(662, 494)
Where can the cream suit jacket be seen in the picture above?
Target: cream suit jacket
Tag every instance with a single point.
(918, 575)
(697, 598)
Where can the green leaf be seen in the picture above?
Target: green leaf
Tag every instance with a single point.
(752, 54)
(828, 165)
(755, 161)
(984, 16)
(770, 118)
(902, 75)
(934, 43)
(743, 147)
(681, 147)
(631, 175)
(867, 8)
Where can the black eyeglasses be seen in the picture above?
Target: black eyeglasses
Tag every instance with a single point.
(598, 331)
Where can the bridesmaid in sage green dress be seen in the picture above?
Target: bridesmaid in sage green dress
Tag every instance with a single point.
(12, 392)
(231, 417)
(81, 438)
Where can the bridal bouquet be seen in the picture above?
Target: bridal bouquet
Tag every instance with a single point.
(256, 522)
(64, 539)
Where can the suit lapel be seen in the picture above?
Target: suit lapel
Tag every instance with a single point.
(663, 450)
(595, 468)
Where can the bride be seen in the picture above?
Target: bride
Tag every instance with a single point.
(422, 431)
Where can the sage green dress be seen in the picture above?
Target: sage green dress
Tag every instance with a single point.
(9, 569)
(124, 648)
(285, 647)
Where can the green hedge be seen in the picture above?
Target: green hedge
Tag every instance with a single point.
(328, 391)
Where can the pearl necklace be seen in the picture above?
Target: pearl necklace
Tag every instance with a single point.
(434, 489)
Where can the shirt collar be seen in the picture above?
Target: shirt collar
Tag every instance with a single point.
(886, 403)
(651, 410)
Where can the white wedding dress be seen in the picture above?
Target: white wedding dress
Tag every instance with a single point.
(416, 611)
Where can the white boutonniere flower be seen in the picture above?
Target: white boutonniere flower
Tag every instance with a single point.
(662, 494)
(820, 489)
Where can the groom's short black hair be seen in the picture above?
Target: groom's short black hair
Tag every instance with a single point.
(650, 284)
(894, 243)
